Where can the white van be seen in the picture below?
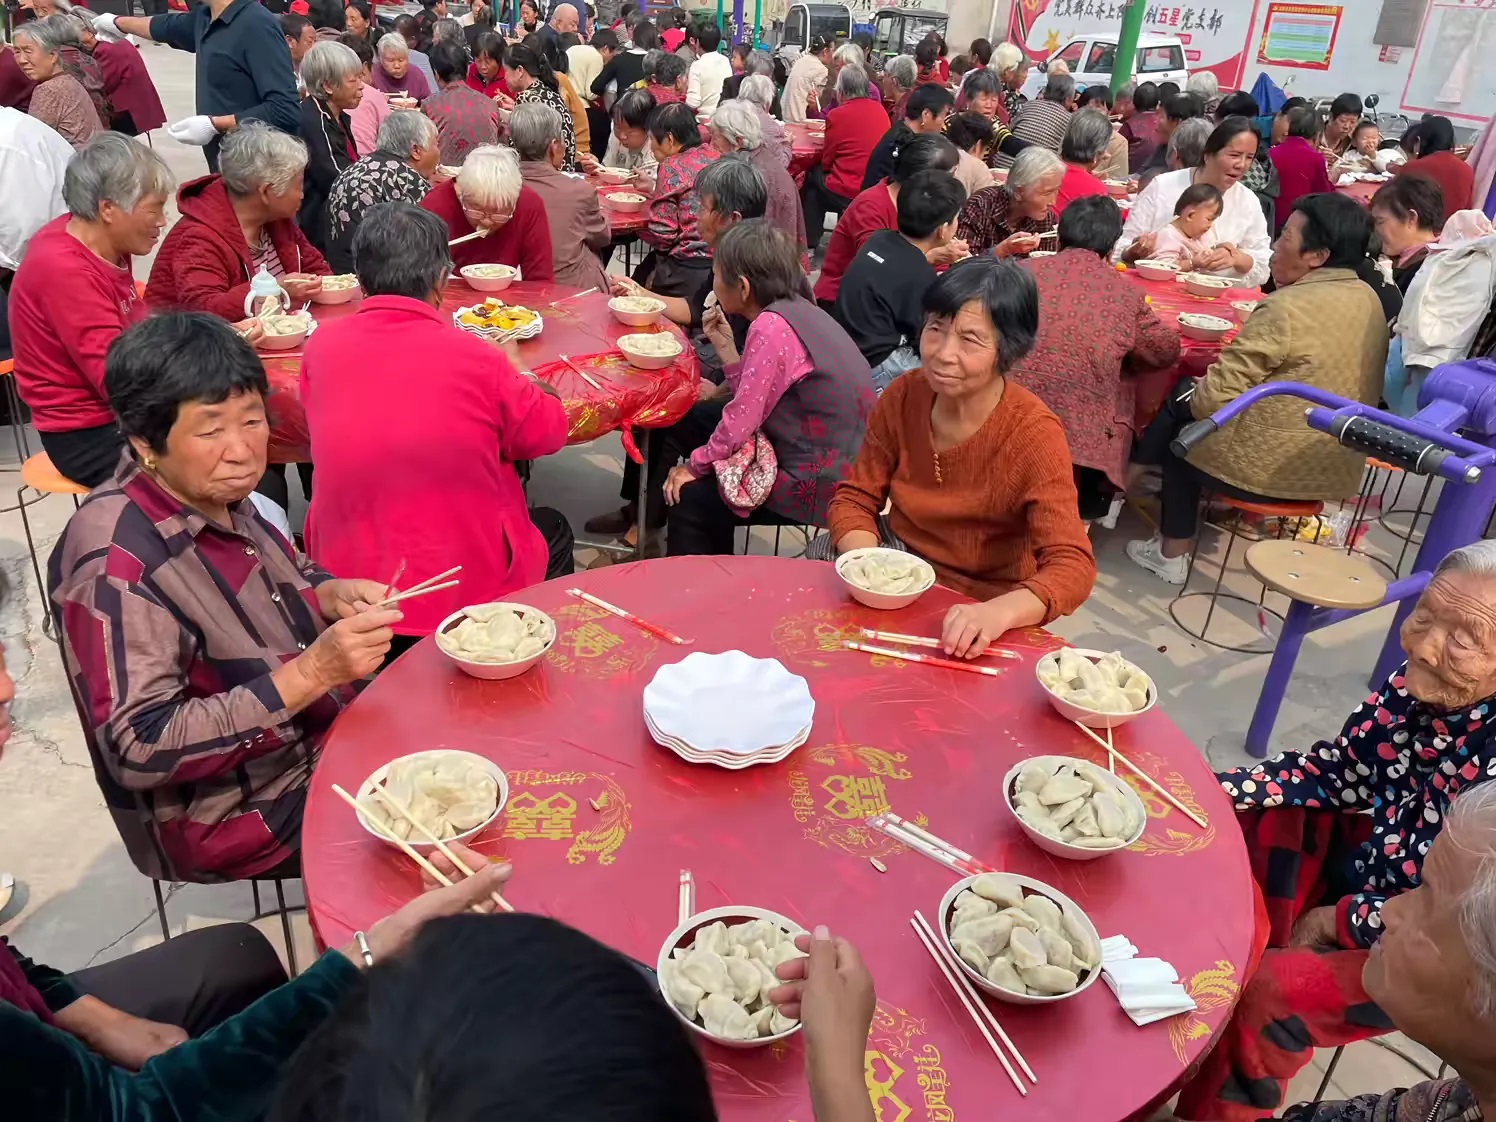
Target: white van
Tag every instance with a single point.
(1090, 59)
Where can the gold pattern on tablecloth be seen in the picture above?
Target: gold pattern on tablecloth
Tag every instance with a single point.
(808, 636)
(587, 643)
(837, 805)
(1213, 988)
(551, 816)
(893, 1049)
(584, 422)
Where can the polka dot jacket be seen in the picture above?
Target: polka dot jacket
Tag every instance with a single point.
(1396, 759)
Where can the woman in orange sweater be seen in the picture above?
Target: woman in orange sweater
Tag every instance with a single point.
(976, 466)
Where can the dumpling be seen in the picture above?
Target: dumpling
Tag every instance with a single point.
(1033, 777)
(1048, 979)
(1057, 948)
(1040, 821)
(1063, 787)
(761, 1019)
(1060, 816)
(712, 937)
(1137, 697)
(990, 933)
(1087, 953)
(1001, 972)
(1043, 909)
(1110, 699)
(1003, 891)
(708, 970)
(724, 1017)
(684, 994)
(1072, 668)
(1114, 668)
(1048, 674)
(1028, 799)
(1025, 949)
(972, 955)
(1085, 821)
(1111, 819)
(746, 979)
(778, 1022)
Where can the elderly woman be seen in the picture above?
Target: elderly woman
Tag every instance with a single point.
(1323, 326)
(1095, 332)
(378, 502)
(735, 128)
(1239, 237)
(465, 119)
(579, 229)
(975, 466)
(800, 384)
(59, 99)
(680, 255)
(333, 76)
(982, 92)
(1204, 85)
(235, 222)
(488, 194)
(1408, 213)
(628, 144)
(1353, 830)
(400, 169)
(1433, 159)
(900, 76)
(1299, 163)
(209, 667)
(1011, 66)
(373, 105)
(531, 78)
(853, 129)
(1007, 218)
(802, 89)
(132, 95)
(1083, 150)
(75, 292)
(394, 75)
(758, 91)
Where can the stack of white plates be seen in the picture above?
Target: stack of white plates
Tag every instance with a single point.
(728, 709)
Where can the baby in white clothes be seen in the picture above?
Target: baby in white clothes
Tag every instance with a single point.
(1182, 241)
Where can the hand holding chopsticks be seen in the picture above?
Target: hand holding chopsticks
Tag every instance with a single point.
(428, 585)
(1143, 775)
(399, 808)
(901, 640)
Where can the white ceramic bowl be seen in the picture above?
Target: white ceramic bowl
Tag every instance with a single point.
(627, 202)
(635, 319)
(1065, 849)
(416, 841)
(1208, 287)
(403, 101)
(335, 295)
(729, 703)
(1090, 717)
(488, 284)
(497, 671)
(686, 933)
(1042, 253)
(885, 600)
(1155, 270)
(1208, 329)
(1242, 309)
(1029, 885)
(615, 176)
(1116, 188)
(815, 126)
(648, 362)
(289, 342)
(999, 176)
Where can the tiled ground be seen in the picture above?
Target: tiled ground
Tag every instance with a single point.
(81, 902)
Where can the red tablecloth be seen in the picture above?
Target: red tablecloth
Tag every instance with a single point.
(1170, 300)
(931, 743)
(805, 149)
(621, 224)
(583, 329)
(1360, 190)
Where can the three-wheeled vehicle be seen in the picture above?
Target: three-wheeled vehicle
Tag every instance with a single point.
(805, 22)
(897, 31)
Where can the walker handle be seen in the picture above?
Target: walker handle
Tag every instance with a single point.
(1394, 446)
(1191, 435)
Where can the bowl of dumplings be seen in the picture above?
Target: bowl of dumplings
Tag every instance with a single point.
(885, 578)
(496, 641)
(336, 289)
(1019, 939)
(716, 971)
(1072, 808)
(454, 795)
(1099, 689)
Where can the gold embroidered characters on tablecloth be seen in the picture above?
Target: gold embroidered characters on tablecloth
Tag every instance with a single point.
(839, 788)
(587, 642)
(811, 638)
(535, 812)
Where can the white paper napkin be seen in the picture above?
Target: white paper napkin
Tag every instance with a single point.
(1147, 988)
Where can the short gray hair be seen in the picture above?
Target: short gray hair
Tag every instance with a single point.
(113, 168)
(1470, 822)
(1087, 136)
(254, 154)
(1007, 57)
(758, 62)
(533, 126)
(1032, 166)
(1059, 87)
(327, 64)
(489, 177)
(851, 83)
(651, 62)
(448, 28)
(738, 122)
(403, 130)
(850, 54)
(758, 89)
(1477, 557)
(400, 250)
(1187, 145)
(50, 34)
(1204, 83)
(394, 44)
(735, 186)
(903, 70)
(1126, 91)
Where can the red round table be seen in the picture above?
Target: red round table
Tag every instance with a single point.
(931, 743)
(583, 329)
(806, 146)
(1360, 190)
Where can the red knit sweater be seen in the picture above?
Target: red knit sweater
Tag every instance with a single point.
(1001, 516)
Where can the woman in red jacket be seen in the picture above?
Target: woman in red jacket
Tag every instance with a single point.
(233, 223)
(1432, 142)
(853, 130)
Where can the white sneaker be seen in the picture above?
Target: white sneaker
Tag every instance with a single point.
(1149, 555)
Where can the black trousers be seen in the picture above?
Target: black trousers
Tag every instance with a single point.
(818, 199)
(195, 981)
(1183, 484)
(86, 456)
(702, 522)
(666, 446)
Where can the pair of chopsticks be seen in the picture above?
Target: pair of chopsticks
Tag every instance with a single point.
(986, 1020)
(613, 609)
(922, 641)
(687, 905)
(933, 846)
(580, 373)
(428, 585)
(910, 656)
(1118, 757)
(474, 236)
(399, 808)
(573, 296)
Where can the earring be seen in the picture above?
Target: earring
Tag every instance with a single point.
(150, 463)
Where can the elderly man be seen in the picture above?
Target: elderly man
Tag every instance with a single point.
(564, 19)
(1044, 120)
(1083, 150)
(926, 109)
(1351, 844)
(1003, 219)
(578, 227)
(243, 66)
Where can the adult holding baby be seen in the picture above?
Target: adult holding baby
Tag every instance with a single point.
(1239, 242)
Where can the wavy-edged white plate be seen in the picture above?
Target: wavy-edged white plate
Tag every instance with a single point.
(726, 759)
(729, 702)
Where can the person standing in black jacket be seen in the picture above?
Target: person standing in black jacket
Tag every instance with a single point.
(627, 67)
(925, 110)
(331, 73)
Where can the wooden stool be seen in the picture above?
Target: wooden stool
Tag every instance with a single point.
(1322, 585)
(1283, 510)
(39, 474)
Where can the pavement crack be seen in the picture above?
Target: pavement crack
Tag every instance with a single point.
(150, 915)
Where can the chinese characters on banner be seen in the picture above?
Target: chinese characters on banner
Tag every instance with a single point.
(1299, 35)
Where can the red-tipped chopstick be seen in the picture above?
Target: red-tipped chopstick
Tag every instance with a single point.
(643, 624)
(910, 656)
(921, 641)
(582, 374)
